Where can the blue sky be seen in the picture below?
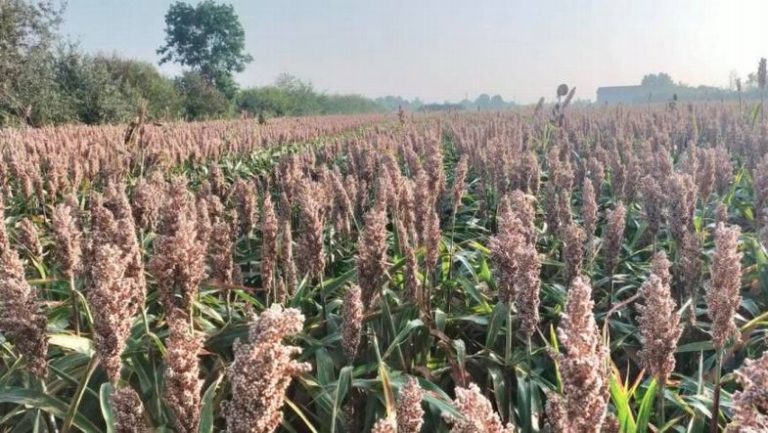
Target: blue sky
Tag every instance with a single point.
(449, 49)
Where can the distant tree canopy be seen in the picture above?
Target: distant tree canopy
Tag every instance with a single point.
(142, 82)
(660, 80)
(483, 102)
(44, 80)
(486, 102)
(394, 103)
(290, 96)
(207, 38)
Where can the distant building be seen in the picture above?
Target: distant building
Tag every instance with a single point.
(666, 91)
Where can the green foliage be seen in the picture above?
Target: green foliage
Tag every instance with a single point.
(269, 100)
(201, 99)
(208, 38)
(44, 85)
(27, 90)
(290, 96)
(141, 81)
(90, 91)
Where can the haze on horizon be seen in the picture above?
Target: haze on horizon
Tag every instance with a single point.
(441, 50)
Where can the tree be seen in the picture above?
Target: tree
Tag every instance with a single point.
(27, 31)
(90, 91)
(497, 102)
(660, 80)
(201, 99)
(751, 80)
(269, 101)
(483, 101)
(208, 38)
(141, 82)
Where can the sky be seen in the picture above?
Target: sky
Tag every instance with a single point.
(441, 50)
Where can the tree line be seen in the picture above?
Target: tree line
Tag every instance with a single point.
(47, 81)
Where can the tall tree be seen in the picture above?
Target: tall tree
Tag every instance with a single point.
(27, 32)
(208, 38)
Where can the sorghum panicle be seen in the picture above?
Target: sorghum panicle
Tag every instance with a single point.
(268, 244)
(724, 291)
(352, 322)
(659, 324)
(573, 238)
(128, 411)
(67, 239)
(582, 406)
(614, 237)
(410, 415)
(372, 253)
(476, 413)
(29, 239)
(182, 373)
(750, 405)
(262, 371)
(589, 210)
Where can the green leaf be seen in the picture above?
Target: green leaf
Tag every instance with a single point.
(300, 414)
(497, 378)
(646, 406)
(334, 284)
(46, 403)
(524, 402)
(343, 384)
(620, 396)
(106, 409)
(206, 411)
(407, 329)
(498, 317)
(485, 271)
(324, 367)
(472, 291)
(697, 346)
(72, 342)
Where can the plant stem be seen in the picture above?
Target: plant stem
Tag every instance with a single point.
(508, 363)
(78, 397)
(713, 424)
(229, 305)
(529, 420)
(660, 403)
(75, 303)
(426, 289)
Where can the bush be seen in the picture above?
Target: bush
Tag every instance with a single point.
(90, 90)
(293, 97)
(201, 99)
(270, 101)
(141, 81)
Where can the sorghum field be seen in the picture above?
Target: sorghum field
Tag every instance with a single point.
(604, 271)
